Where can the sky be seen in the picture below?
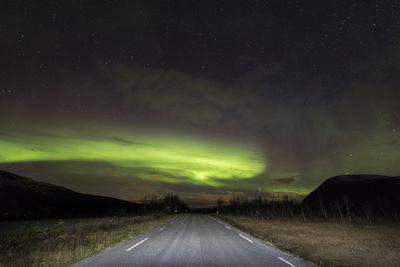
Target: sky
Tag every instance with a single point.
(208, 99)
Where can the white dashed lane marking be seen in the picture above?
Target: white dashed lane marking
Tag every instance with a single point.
(137, 244)
(285, 261)
(251, 241)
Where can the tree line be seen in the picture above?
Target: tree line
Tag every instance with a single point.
(344, 209)
(169, 203)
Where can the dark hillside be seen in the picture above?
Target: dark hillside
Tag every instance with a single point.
(370, 195)
(21, 197)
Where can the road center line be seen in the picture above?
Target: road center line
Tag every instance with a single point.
(228, 227)
(161, 229)
(251, 241)
(137, 244)
(287, 262)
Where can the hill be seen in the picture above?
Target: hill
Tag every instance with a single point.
(370, 195)
(21, 197)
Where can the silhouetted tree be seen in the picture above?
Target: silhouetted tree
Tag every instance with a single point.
(220, 205)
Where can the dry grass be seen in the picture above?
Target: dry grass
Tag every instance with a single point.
(66, 244)
(327, 243)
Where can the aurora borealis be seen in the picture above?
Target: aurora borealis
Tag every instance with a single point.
(164, 158)
(206, 99)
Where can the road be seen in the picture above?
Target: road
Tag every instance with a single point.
(193, 240)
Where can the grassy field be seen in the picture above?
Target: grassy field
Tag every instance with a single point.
(327, 243)
(65, 244)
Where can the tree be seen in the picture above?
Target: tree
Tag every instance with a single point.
(348, 204)
(220, 205)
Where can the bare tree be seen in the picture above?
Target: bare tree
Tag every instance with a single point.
(220, 205)
(348, 204)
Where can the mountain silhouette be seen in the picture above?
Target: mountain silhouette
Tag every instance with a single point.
(362, 194)
(21, 197)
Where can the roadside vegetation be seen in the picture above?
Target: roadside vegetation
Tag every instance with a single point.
(64, 244)
(324, 238)
(264, 207)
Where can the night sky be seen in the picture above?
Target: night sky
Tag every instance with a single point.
(207, 99)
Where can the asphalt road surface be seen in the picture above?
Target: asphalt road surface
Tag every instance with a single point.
(193, 240)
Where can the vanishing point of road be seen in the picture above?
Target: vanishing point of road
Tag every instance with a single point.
(193, 240)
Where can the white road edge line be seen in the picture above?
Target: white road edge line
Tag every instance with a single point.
(137, 244)
(162, 229)
(228, 227)
(291, 264)
(251, 241)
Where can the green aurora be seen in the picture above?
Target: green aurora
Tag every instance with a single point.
(167, 158)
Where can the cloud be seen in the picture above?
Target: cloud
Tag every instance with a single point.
(175, 95)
